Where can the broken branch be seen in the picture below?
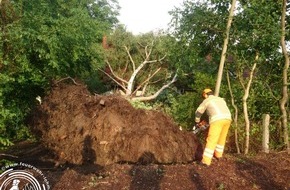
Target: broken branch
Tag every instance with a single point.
(157, 93)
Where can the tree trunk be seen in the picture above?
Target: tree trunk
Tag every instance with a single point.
(224, 50)
(245, 108)
(236, 115)
(285, 96)
(132, 78)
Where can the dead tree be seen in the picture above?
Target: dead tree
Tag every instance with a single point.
(132, 89)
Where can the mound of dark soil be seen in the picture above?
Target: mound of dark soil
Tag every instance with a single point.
(234, 172)
(83, 128)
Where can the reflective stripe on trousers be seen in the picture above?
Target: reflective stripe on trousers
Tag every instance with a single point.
(219, 149)
(208, 153)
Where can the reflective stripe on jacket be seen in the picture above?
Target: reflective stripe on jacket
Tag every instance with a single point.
(215, 107)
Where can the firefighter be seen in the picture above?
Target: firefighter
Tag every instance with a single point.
(219, 120)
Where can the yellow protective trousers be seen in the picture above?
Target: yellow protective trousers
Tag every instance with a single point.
(216, 139)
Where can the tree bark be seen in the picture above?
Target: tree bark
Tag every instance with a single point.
(285, 96)
(236, 114)
(245, 108)
(224, 50)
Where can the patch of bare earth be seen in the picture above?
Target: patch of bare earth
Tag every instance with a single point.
(262, 171)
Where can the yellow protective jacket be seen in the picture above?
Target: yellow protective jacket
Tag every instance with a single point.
(215, 107)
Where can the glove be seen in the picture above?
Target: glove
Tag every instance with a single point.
(196, 126)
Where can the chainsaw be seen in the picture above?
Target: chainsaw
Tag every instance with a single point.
(201, 126)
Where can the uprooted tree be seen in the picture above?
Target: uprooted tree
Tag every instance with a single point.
(137, 65)
(108, 129)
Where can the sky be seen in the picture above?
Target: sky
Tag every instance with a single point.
(141, 16)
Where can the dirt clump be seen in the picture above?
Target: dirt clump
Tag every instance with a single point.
(83, 128)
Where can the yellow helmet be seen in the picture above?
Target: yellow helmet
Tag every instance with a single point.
(205, 91)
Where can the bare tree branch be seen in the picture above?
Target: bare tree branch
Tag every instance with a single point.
(66, 79)
(148, 53)
(113, 73)
(140, 51)
(118, 83)
(125, 69)
(8, 155)
(131, 59)
(129, 85)
(156, 60)
(156, 93)
(240, 77)
(271, 92)
(156, 81)
(147, 80)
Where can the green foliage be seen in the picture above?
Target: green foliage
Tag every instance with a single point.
(66, 43)
(141, 105)
(17, 96)
(95, 83)
(182, 109)
(42, 41)
(4, 162)
(199, 29)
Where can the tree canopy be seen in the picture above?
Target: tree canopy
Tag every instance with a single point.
(42, 41)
